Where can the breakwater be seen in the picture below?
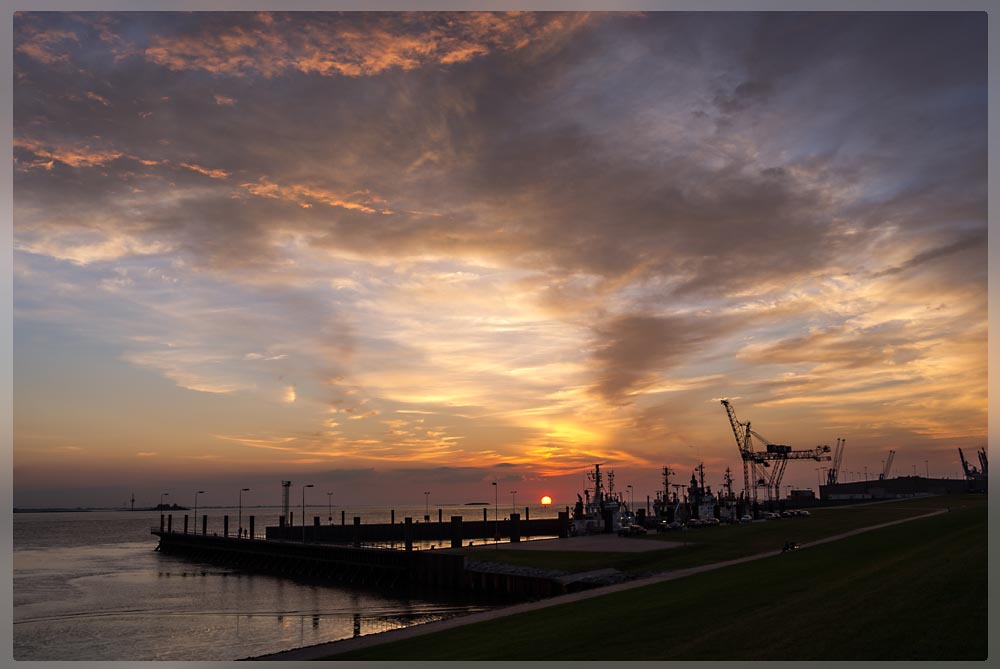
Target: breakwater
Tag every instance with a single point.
(339, 553)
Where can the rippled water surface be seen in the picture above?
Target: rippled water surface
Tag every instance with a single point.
(90, 586)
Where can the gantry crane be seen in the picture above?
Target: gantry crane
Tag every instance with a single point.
(834, 471)
(758, 462)
(971, 473)
(888, 466)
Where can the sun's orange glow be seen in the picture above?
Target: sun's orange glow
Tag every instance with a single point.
(546, 500)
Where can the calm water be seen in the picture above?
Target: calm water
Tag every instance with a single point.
(89, 586)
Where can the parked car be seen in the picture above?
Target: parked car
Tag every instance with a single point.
(664, 526)
(632, 531)
(746, 519)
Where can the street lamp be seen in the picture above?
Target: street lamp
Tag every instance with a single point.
(162, 495)
(200, 492)
(308, 485)
(240, 523)
(927, 470)
(496, 515)
(427, 512)
(631, 498)
(329, 506)
(513, 507)
(866, 474)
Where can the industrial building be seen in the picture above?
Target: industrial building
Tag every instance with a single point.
(904, 486)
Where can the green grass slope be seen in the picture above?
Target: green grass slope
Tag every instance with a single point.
(912, 591)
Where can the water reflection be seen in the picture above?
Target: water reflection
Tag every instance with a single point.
(124, 601)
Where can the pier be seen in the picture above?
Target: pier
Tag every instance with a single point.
(368, 554)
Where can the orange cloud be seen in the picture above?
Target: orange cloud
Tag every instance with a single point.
(74, 156)
(224, 100)
(305, 196)
(276, 43)
(208, 172)
(99, 98)
(42, 44)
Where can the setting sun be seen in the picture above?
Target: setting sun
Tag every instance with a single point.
(546, 500)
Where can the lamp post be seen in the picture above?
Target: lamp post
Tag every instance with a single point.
(162, 495)
(866, 474)
(240, 523)
(329, 506)
(513, 507)
(496, 515)
(427, 511)
(927, 470)
(631, 497)
(308, 485)
(200, 492)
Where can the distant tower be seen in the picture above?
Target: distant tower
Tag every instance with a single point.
(285, 486)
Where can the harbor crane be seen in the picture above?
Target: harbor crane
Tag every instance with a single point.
(971, 473)
(768, 465)
(888, 466)
(834, 471)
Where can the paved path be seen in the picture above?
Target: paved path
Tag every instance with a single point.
(325, 649)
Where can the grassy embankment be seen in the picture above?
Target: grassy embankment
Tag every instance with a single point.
(911, 591)
(717, 544)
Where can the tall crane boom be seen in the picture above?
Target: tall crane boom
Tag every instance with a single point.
(742, 434)
(971, 473)
(833, 473)
(888, 466)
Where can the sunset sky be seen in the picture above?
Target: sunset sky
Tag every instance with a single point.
(386, 253)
